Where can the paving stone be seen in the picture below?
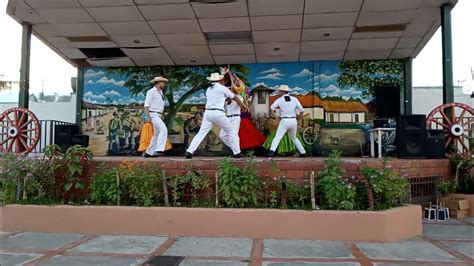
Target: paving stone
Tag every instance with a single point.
(211, 247)
(449, 231)
(16, 259)
(310, 264)
(212, 263)
(405, 250)
(46, 241)
(413, 264)
(470, 219)
(447, 222)
(121, 244)
(90, 260)
(274, 248)
(466, 248)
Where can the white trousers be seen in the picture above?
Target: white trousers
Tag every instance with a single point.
(160, 134)
(228, 138)
(287, 125)
(210, 118)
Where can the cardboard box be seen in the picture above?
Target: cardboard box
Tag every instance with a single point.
(456, 203)
(458, 214)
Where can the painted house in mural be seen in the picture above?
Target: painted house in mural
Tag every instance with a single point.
(333, 111)
(92, 110)
(260, 104)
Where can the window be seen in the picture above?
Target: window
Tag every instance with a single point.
(356, 118)
(261, 97)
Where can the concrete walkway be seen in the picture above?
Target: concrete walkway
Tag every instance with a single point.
(443, 243)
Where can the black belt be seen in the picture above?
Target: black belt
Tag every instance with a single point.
(233, 115)
(288, 117)
(155, 112)
(215, 109)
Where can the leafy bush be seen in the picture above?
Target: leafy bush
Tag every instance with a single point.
(335, 192)
(128, 184)
(388, 187)
(185, 188)
(239, 188)
(462, 166)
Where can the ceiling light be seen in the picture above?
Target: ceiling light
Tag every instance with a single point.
(229, 37)
(276, 49)
(136, 41)
(193, 61)
(326, 34)
(381, 28)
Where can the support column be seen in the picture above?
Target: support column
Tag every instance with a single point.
(79, 94)
(23, 97)
(446, 38)
(408, 93)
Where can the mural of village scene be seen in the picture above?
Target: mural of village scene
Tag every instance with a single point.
(337, 97)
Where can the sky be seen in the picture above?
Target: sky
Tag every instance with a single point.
(52, 74)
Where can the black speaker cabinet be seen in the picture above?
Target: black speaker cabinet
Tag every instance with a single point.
(82, 140)
(380, 123)
(435, 144)
(63, 135)
(411, 136)
(412, 122)
(412, 144)
(387, 101)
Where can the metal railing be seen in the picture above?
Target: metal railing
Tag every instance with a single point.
(47, 134)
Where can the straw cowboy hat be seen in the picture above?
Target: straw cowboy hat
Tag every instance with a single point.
(215, 77)
(159, 78)
(284, 88)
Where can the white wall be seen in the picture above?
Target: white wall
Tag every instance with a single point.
(425, 99)
(61, 111)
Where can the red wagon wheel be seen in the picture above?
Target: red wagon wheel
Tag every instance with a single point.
(456, 125)
(19, 131)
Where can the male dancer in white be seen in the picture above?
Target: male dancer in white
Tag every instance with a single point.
(216, 95)
(288, 119)
(233, 115)
(154, 106)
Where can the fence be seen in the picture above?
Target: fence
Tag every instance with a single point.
(47, 134)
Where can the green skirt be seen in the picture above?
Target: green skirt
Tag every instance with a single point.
(286, 145)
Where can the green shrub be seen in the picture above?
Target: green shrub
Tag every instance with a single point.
(238, 188)
(335, 193)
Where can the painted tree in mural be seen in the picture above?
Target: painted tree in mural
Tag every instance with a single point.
(193, 77)
(366, 74)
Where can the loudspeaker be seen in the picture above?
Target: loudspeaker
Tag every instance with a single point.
(412, 122)
(435, 144)
(412, 144)
(82, 140)
(412, 136)
(387, 100)
(63, 135)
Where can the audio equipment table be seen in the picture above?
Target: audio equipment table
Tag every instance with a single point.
(379, 131)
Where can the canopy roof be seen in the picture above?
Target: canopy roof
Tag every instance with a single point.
(196, 32)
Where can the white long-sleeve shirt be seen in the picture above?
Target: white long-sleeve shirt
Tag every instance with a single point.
(216, 96)
(287, 108)
(155, 100)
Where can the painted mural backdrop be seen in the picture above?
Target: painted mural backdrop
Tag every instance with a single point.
(337, 97)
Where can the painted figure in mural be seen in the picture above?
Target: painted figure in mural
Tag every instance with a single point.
(191, 125)
(114, 127)
(216, 96)
(287, 105)
(127, 128)
(154, 106)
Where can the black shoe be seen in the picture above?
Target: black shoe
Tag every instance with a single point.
(160, 154)
(149, 156)
(189, 155)
(270, 154)
(303, 155)
(238, 155)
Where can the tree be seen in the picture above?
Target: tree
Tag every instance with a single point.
(366, 74)
(138, 81)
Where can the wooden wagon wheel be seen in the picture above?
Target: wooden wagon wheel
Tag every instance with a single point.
(310, 134)
(455, 126)
(19, 131)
